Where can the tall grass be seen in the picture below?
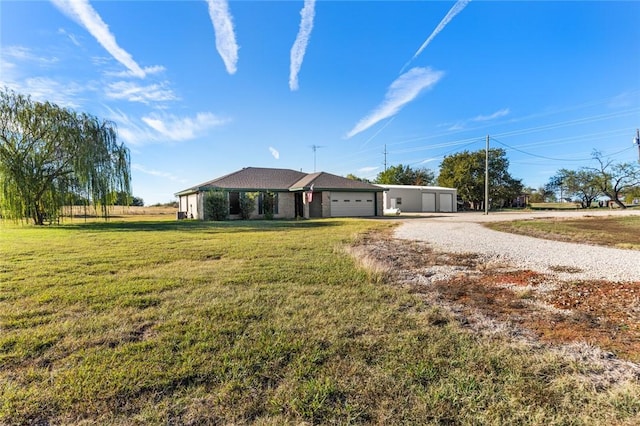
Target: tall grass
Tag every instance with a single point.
(165, 322)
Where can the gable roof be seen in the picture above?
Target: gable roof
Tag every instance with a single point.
(267, 179)
(326, 181)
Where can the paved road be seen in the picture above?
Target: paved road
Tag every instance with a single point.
(464, 233)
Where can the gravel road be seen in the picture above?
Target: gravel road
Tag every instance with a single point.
(464, 233)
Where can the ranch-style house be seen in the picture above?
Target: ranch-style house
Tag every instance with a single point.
(296, 194)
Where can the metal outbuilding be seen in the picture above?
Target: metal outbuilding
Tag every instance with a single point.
(418, 199)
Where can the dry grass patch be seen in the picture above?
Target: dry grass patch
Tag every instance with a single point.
(604, 314)
(613, 231)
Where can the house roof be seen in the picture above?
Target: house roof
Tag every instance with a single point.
(327, 181)
(267, 179)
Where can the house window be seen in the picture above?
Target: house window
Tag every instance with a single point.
(398, 201)
(234, 203)
(263, 196)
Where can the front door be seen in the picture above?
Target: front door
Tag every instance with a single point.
(315, 206)
(298, 205)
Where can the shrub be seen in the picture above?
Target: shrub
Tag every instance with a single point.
(268, 204)
(216, 205)
(247, 204)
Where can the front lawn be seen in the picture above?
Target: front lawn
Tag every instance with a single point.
(166, 322)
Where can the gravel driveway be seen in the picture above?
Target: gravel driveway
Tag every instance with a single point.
(464, 233)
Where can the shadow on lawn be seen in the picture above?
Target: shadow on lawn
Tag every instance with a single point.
(114, 225)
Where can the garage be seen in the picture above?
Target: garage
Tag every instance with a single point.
(420, 199)
(344, 204)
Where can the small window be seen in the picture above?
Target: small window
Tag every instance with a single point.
(398, 201)
(347, 201)
(369, 201)
(358, 201)
(335, 201)
(261, 200)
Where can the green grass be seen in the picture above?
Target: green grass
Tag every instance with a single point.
(166, 322)
(554, 206)
(614, 231)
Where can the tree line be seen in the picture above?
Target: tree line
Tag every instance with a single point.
(616, 181)
(465, 171)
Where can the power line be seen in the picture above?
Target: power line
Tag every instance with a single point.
(551, 158)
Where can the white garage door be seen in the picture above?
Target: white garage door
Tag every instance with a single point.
(446, 203)
(428, 201)
(345, 204)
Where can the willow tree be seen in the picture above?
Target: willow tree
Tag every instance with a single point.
(49, 153)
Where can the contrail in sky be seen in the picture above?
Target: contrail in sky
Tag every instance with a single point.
(457, 8)
(300, 45)
(378, 132)
(402, 91)
(225, 36)
(86, 16)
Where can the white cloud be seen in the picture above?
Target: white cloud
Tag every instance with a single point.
(368, 169)
(156, 69)
(22, 53)
(302, 40)
(158, 128)
(457, 8)
(71, 37)
(429, 160)
(225, 36)
(274, 152)
(130, 130)
(402, 91)
(86, 16)
(172, 128)
(157, 173)
(138, 93)
(44, 89)
(497, 114)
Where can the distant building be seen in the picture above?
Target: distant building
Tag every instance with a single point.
(418, 199)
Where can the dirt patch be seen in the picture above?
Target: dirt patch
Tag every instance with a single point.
(525, 305)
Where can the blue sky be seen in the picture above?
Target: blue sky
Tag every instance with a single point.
(200, 89)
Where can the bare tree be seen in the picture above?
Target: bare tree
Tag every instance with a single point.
(615, 178)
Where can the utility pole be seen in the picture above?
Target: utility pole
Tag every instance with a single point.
(486, 178)
(385, 157)
(314, 148)
(636, 140)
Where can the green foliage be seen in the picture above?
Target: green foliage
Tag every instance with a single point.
(582, 185)
(466, 172)
(48, 152)
(121, 198)
(359, 179)
(268, 204)
(405, 175)
(173, 204)
(631, 194)
(614, 179)
(539, 195)
(247, 204)
(216, 205)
